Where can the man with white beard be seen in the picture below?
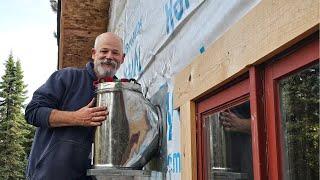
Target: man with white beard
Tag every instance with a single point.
(63, 111)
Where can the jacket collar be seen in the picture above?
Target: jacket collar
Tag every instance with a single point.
(89, 67)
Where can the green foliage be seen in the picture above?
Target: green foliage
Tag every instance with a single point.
(14, 132)
(300, 114)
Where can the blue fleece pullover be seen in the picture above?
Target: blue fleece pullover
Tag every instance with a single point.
(62, 152)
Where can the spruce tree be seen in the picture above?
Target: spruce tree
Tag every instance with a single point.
(13, 128)
(21, 90)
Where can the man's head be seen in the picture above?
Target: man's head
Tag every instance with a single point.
(107, 54)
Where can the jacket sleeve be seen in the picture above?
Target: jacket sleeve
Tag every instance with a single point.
(46, 98)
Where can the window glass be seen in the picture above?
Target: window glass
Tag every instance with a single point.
(299, 107)
(227, 136)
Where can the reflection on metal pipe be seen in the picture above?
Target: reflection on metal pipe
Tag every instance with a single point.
(130, 134)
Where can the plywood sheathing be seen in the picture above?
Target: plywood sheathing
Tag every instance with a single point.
(266, 30)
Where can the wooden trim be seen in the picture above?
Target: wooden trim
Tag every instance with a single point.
(266, 30)
(273, 72)
(188, 141)
(303, 56)
(239, 89)
(236, 101)
(258, 124)
(199, 148)
(274, 165)
(201, 155)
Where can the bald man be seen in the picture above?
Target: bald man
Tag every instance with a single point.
(63, 111)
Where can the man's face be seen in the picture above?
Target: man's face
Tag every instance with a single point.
(108, 57)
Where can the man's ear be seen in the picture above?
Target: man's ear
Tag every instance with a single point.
(93, 53)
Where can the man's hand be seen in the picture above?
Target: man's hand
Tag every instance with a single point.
(232, 123)
(86, 116)
(90, 115)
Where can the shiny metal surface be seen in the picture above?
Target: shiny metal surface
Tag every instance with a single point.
(159, 162)
(227, 175)
(130, 134)
(120, 174)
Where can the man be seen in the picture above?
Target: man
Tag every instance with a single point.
(63, 111)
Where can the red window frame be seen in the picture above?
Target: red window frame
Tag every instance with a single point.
(260, 88)
(230, 96)
(304, 56)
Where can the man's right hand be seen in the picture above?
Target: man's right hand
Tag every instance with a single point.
(90, 115)
(86, 116)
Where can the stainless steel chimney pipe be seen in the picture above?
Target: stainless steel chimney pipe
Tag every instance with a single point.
(130, 134)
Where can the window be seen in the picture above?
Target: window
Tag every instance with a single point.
(228, 136)
(225, 120)
(299, 109)
(292, 114)
(264, 125)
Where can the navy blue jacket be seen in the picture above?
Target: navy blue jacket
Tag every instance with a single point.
(63, 152)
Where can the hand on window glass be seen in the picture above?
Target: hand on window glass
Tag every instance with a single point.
(232, 122)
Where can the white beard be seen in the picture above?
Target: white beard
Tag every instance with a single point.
(102, 72)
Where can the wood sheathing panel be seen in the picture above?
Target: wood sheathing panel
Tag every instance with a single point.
(80, 23)
(266, 30)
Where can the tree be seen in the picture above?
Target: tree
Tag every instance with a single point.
(54, 5)
(13, 128)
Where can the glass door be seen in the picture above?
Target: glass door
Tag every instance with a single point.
(292, 114)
